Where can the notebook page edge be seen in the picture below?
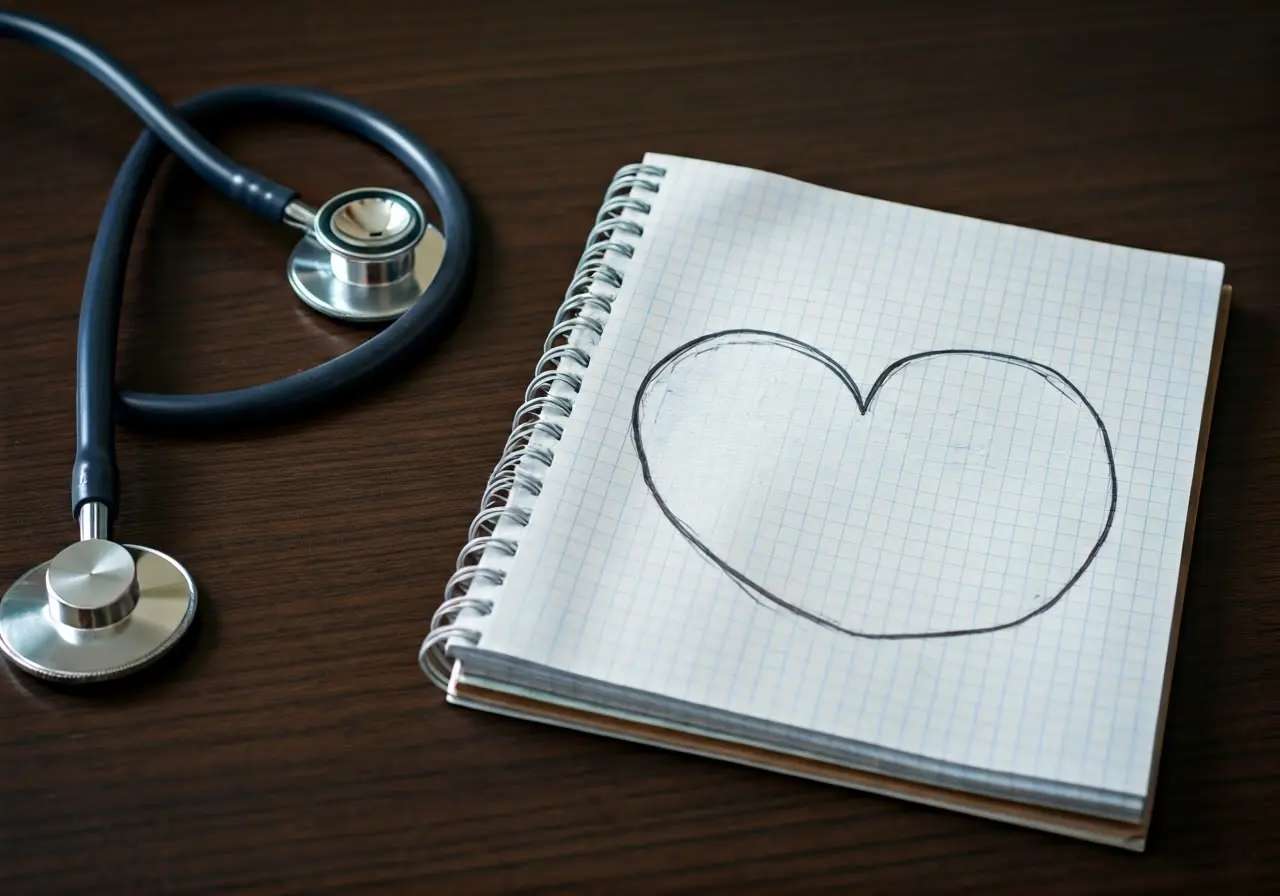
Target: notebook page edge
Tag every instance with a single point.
(494, 673)
(1130, 836)
(1202, 449)
(659, 158)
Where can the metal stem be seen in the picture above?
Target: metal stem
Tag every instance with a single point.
(94, 522)
(299, 215)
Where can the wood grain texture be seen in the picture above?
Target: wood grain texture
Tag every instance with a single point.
(295, 742)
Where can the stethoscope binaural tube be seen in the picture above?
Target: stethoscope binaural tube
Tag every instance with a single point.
(94, 486)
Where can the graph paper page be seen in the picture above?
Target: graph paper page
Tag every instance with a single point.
(881, 473)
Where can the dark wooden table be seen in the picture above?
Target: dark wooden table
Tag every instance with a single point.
(295, 741)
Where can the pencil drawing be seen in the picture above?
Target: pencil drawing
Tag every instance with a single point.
(1089, 451)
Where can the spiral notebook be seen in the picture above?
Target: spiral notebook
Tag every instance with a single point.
(849, 490)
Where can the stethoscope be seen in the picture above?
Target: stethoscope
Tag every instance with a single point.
(101, 609)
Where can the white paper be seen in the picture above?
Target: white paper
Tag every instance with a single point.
(977, 562)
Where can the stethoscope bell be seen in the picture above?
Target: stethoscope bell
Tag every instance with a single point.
(97, 610)
(367, 257)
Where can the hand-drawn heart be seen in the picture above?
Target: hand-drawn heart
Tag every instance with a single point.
(966, 493)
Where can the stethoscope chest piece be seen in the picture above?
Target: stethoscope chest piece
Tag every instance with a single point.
(98, 610)
(101, 609)
(368, 256)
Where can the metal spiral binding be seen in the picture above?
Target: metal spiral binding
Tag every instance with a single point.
(529, 451)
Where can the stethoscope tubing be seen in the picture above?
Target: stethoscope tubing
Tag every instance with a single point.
(174, 130)
(243, 185)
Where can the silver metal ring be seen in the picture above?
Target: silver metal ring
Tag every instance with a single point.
(521, 444)
(498, 487)
(447, 612)
(506, 483)
(467, 574)
(566, 328)
(540, 404)
(513, 459)
(544, 456)
(609, 226)
(626, 250)
(523, 435)
(582, 309)
(595, 271)
(619, 204)
(580, 303)
(635, 168)
(593, 259)
(627, 184)
(542, 383)
(528, 483)
(506, 545)
(644, 176)
(490, 516)
(553, 357)
(539, 453)
(433, 655)
(510, 464)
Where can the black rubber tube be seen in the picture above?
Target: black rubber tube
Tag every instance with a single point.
(95, 475)
(261, 194)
